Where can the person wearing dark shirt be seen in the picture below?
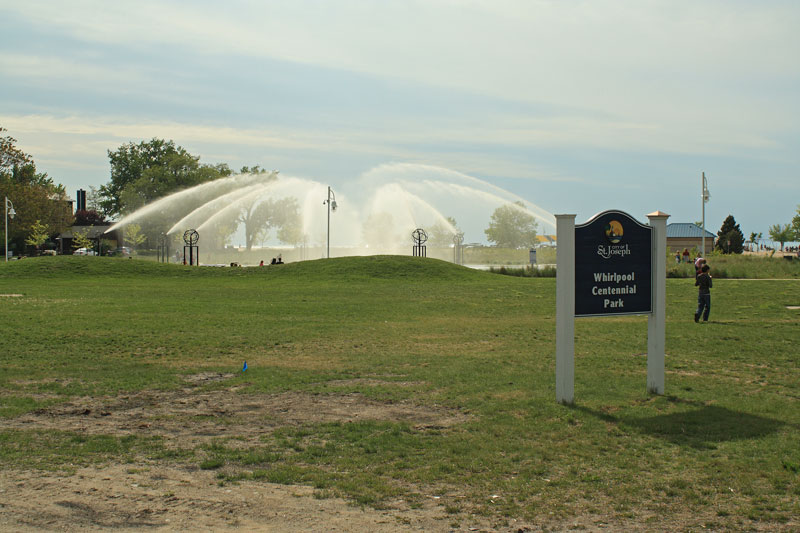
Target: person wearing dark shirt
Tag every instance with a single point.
(703, 282)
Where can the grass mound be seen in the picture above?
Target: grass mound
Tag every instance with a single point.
(387, 267)
(378, 267)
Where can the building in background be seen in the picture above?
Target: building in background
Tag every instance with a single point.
(686, 235)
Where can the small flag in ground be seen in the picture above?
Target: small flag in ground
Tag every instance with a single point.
(244, 367)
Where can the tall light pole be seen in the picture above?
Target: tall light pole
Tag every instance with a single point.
(706, 196)
(331, 201)
(9, 207)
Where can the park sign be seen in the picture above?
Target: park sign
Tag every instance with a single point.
(610, 265)
(613, 270)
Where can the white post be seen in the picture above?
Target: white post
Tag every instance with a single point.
(565, 309)
(656, 322)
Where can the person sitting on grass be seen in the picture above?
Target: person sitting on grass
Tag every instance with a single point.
(703, 281)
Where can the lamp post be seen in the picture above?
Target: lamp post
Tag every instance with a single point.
(9, 207)
(331, 201)
(706, 196)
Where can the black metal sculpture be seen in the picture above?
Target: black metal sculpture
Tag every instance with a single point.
(190, 237)
(420, 238)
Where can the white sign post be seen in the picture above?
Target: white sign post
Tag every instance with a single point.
(565, 309)
(656, 321)
(617, 283)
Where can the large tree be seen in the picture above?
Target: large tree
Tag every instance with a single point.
(38, 201)
(512, 226)
(730, 239)
(261, 215)
(10, 155)
(141, 173)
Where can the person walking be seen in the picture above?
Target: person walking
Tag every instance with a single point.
(703, 282)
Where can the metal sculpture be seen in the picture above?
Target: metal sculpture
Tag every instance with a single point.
(420, 238)
(190, 238)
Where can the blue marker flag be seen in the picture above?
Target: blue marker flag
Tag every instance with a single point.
(244, 367)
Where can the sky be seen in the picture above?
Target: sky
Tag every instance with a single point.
(576, 106)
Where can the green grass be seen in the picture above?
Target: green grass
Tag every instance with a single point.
(740, 266)
(719, 450)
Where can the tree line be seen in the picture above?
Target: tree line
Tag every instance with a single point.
(143, 172)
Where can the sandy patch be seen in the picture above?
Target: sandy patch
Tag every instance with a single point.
(189, 416)
(131, 498)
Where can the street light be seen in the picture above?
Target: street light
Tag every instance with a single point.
(9, 213)
(706, 197)
(331, 201)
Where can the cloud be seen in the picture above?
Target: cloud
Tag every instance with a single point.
(558, 52)
(645, 75)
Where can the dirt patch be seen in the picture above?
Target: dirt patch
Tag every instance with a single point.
(168, 497)
(127, 498)
(189, 416)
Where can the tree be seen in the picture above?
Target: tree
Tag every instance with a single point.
(781, 234)
(10, 155)
(512, 226)
(259, 216)
(80, 239)
(286, 218)
(38, 235)
(730, 239)
(441, 235)
(133, 235)
(93, 199)
(37, 200)
(88, 217)
(149, 170)
(796, 225)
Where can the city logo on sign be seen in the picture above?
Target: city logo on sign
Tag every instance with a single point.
(614, 233)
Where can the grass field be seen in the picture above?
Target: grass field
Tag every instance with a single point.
(444, 381)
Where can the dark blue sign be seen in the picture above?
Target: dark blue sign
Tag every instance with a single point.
(613, 266)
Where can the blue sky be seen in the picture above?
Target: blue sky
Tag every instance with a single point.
(575, 106)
